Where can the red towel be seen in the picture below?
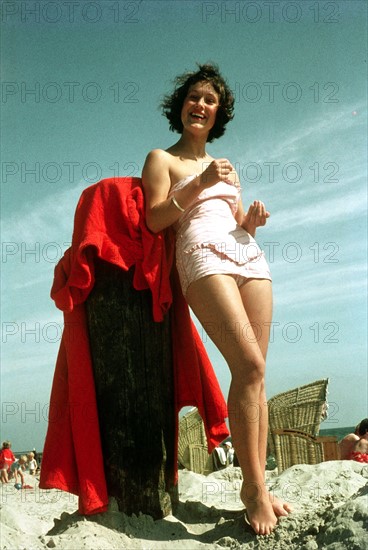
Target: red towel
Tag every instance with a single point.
(110, 224)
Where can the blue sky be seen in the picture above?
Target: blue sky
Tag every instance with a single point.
(81, 86)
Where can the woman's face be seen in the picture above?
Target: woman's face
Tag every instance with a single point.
(200, 107)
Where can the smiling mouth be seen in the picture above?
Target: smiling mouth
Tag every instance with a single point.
(198, 116)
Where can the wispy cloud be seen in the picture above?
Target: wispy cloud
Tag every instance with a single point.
(318, 283)
(31, 324)
(48, 220)
(325, 210)
(324, 130)
(332, 143)
(330, 292)
(320, 133)
(43, 279)
(33, 241)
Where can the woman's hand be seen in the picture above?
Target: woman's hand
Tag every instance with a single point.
(217, 170)
(256, 216)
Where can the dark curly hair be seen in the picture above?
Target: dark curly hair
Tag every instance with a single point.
(363, 427)
(172, 104)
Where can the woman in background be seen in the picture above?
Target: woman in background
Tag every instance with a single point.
(354, 446)
(223, 273)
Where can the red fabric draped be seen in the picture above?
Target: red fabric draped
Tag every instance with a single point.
(110, 224)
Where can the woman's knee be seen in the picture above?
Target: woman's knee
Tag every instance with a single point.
(251, 371)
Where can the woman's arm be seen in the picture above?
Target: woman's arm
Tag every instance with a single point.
(255, 217)
(162, 212)
(156, 184)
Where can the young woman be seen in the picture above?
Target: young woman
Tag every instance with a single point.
(224, 275)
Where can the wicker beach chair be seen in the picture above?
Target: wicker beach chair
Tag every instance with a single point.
(294, 447)
(294, 420)
(192, 444)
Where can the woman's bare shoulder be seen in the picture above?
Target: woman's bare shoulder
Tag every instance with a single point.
(158, 159)
(158, 154)
(156, 170)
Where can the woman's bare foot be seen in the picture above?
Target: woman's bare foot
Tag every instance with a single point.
(280, 508)
(259, 513)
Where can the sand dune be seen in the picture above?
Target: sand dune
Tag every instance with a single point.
(330, 503)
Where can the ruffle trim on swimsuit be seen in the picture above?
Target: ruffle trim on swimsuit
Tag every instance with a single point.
(226, 256)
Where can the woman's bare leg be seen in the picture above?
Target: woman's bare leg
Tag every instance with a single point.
(257, 300)
(4, 476)
(217, 303)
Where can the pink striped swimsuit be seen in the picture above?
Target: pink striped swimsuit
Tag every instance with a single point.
(209, 241)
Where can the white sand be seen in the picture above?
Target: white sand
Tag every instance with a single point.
(330, 512)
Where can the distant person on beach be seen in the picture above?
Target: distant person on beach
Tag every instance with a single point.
(223, 455)
(32, 463)
(354, 446)
(37, 458)
(16, 469)
(6, 460)
(223, 273)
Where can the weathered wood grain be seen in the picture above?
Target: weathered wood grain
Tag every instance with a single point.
(132, 366)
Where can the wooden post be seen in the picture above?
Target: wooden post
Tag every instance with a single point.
(132, 365)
